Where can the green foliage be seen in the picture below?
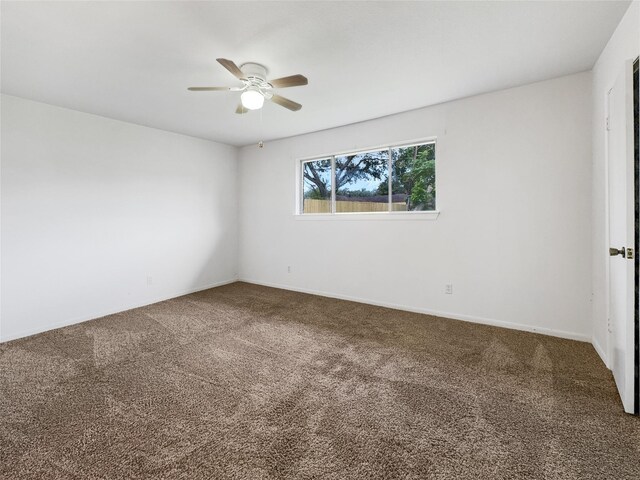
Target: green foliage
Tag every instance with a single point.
(422, 195)
(414, 174)
(314, 194)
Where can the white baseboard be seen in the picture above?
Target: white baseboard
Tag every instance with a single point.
(601, 352)
(455, 316)
(451, 315)
(73, 321)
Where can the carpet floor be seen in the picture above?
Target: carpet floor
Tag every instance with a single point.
(249, 382)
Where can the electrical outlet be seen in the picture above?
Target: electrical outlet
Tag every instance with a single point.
(448, 289)
(289, 269)
(149, 280)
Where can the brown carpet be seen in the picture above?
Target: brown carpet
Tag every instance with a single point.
(249, 382)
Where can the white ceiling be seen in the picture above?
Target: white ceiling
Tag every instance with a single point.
(134, 60)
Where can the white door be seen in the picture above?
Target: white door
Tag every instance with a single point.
(621, 235)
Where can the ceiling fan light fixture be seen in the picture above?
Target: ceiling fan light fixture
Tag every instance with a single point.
(255, 87)
(252, 99)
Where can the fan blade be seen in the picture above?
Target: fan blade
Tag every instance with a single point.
(207, 89)
(291, 81)
(241, 109)
(286, 103)
(232, 67)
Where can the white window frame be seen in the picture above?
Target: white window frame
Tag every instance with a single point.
(389, 214)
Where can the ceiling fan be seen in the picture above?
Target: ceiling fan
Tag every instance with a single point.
(256, 88)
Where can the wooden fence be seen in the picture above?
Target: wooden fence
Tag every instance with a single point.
(342, 206)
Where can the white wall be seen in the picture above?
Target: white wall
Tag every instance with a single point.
(91, 207)
(513, 236)
(623, 45)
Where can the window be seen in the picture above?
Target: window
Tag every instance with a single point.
(393, 179)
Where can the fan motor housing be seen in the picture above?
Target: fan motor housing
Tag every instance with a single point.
(254, 70)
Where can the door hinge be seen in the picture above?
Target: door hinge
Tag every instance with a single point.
(608, 124)
(629, 253)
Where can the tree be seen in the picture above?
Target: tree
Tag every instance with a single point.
(422, 195)
(319, 174)
(349, 169)
(413, 174)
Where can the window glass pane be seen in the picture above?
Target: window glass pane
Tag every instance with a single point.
(413, 174)
(362, 183)
(316, 186)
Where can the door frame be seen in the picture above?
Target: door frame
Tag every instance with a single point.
(636, 183)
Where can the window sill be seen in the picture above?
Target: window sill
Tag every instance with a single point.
(431, 215)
